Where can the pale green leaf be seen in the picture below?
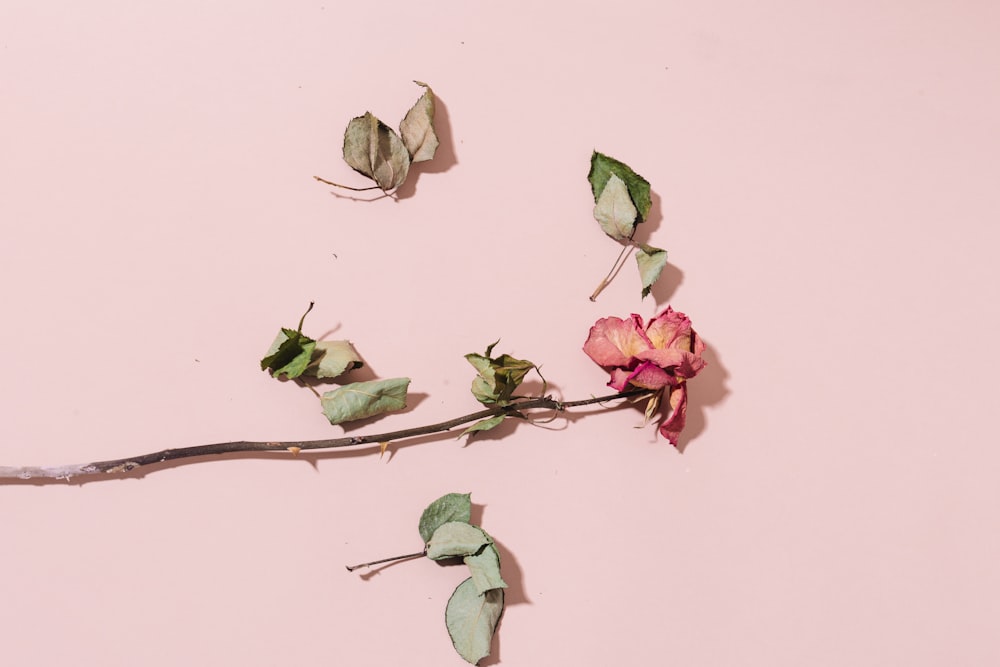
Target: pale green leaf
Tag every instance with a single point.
(334, 358)
(601, 169)
(360, 400)
(485, 569)
(484, 424)
(472, 619)
(449, 507)
(615, 211)
(417, 128)
(374, 149)
(456, 538)
(651, 262)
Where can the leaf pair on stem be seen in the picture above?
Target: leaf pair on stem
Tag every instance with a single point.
(623, 200)
(475, 607)
(373, 149)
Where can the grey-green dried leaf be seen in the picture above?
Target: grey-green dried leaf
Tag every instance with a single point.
(417, 128)
(485, 569)
(334, 358)
(651, 262)
(472, 619)
(456, 538)
(449, 507)
(374, 149)
(615, 211)
(601, 168)
(484, 424)
(360, 400)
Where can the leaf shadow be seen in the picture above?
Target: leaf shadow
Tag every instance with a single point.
(708, 389)
(444, 158)
(670, 279)
(647, 227)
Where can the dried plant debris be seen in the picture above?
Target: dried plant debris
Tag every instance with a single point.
(376, 151)
(622, 200)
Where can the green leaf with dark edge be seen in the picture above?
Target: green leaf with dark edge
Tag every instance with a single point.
(291, 351)
(456, 538)
(601, 168)
(360, 400)
(651, 262)
(484, 425)
(449, 507)
(485, 569)
(417, 128)
(333, 358)
(472, 619)
(615, 212)
(374, 149)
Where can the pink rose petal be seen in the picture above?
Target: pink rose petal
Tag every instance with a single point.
(613, 341)
(673, 425)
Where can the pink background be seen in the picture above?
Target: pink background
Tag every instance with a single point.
(825, 179)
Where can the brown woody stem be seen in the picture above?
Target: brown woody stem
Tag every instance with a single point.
(126, 465)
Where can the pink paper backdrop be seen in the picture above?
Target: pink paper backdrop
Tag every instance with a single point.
(825, 179)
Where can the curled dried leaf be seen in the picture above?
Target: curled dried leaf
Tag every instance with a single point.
(374, 149)
(417, 127)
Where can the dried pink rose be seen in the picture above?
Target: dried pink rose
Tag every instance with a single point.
(661, 355)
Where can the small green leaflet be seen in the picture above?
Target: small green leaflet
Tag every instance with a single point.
(603, 167)
(291, 352)
(472, 619)
(484, 424)
(360, 400)
(456, 538)
(449, 507)
(651, 262)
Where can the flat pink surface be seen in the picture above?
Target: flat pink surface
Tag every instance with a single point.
(826, 182)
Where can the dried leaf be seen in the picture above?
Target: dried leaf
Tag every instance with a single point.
(615, 211)
(374, 149)
(382, 446)
(449, 507)
(485, 569)
(651, 262)
(498, 377)
(360, 400)
(290, 353)
(601, 169)
(472, 619)
(417, 128)
(456, 538)
(484, 424)
(334, 358)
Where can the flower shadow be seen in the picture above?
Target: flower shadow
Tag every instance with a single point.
(708, 389)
